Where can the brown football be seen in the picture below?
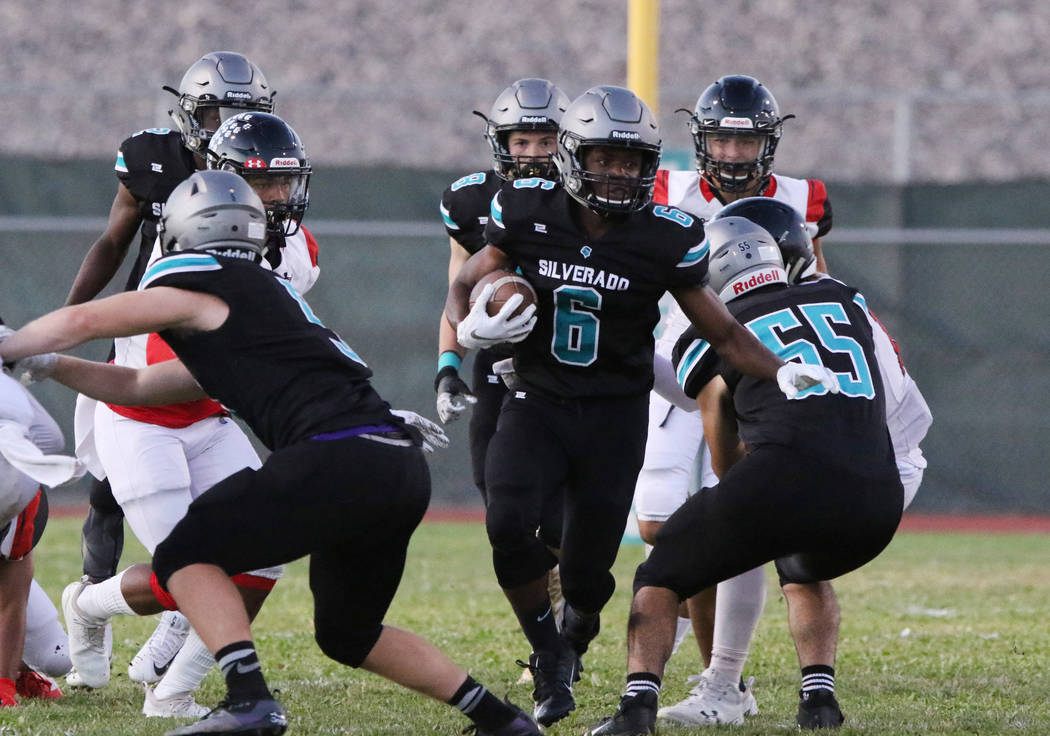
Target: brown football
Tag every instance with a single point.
(507, 284)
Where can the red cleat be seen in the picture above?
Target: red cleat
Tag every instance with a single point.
(32, 684)
(7, 693)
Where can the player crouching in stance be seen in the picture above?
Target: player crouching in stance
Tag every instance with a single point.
(310, 497)
(818, 489)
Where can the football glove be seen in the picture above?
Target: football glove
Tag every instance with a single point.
(433, 435)
(795, 377)
(34, 368)
(453, 395)
(479, 330)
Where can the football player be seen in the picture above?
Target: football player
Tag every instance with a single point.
(149, 165)
(33, 645)
(159, 458)
(736, 127)
(820, 467)
(308, 397)
(600, 255)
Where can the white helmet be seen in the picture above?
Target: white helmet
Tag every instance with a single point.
(743, 257)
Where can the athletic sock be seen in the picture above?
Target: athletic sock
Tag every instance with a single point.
(188, 669)
(641, 682)
(104, 600)
(243, 672)
(541, 629)
(818, 677)
(481, 706)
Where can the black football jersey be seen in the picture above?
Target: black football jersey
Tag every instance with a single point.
(821, 323)
(151, 164)
(272, 362)
(465, 208)
(598, 300)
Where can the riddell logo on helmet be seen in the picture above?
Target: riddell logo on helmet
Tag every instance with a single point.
(284, 163)
(232, 94)
(534, 119)
(628, 135)
(759, 279)
(737, 123)
(255, 163)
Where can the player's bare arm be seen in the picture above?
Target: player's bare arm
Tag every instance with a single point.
(728, 337)
(108, 252)
(484, 261)
(818, 252)
(121, 315)
(458, 255)
(155, 385)
(720, 430)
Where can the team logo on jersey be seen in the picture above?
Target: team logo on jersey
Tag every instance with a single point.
(284, 163)
(157, 168)
(728, 122)
(586, 251)
(255, 163)
(540, 227)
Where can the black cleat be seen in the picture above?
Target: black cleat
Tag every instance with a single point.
(552, 676)
(246, 718)
(636, 716)
(819, 709)
(521, 725)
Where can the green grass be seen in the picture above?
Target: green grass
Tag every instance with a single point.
(973, 661)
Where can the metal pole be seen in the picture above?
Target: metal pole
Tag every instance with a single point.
(643, 51)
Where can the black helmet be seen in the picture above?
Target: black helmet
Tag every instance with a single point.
(528, 104)
(260, 145)
(221, 79)
(736, 105)
(785, 224)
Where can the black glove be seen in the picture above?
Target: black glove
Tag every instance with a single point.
(453, 395)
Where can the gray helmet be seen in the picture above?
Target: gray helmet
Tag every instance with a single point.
(221, 79)
(742, 256)
(787, 227)
(217, 212)
(613, 117)
(528, 104)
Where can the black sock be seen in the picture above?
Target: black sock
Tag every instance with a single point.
(481, 706)
(818, 677)
(541, 630)
(641, 682)
(243, 672)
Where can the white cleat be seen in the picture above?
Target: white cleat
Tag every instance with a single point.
(155, 656)
(711, 702)
(90, 640)
(181, 705)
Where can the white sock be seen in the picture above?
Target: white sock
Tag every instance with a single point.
(740, 603)
(104, 600)
(188, 670)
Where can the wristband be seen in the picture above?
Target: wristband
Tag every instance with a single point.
(449, 358)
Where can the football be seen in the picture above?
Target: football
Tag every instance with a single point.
(507, 284)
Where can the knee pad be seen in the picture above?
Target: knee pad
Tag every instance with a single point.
(102, 542)
(347, 644)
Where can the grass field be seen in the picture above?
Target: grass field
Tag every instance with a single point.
(943, 634)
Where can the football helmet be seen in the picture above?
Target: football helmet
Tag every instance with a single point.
(736, 105)
(264, 149)
(613, 117)
(785, 224)
(217, 212)
(743, 257)
(223, 80)
(528, 104)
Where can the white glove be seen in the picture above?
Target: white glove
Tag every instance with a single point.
(34, 368)
(795, 377)
(433, 435)
(479, 330)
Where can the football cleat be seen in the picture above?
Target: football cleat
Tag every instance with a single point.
(819, 709)
(89, 644)
(713, 701)
(32, 684)
(155, 656)
(180, 705)
(552, 675)
(636, 716)
(520, 725)
(248, 717)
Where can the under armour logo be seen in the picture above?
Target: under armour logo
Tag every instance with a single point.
(586, 251)
(255, 163)
(157, 168)
(540, 227)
